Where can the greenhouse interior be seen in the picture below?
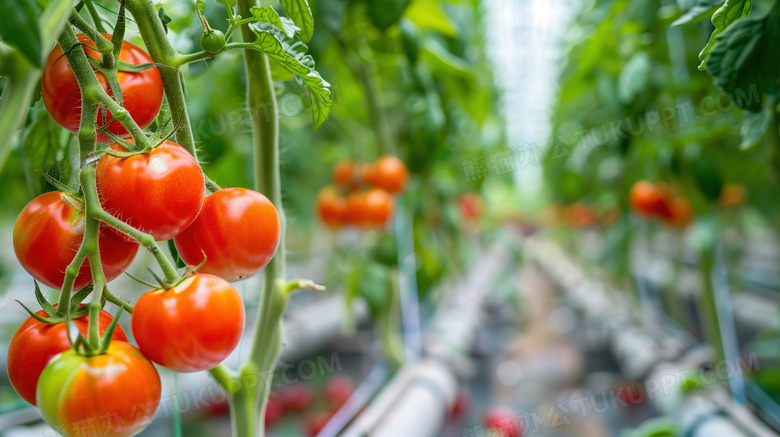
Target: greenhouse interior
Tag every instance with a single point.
(390, 218)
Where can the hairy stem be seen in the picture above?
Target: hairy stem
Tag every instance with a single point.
(162, 51)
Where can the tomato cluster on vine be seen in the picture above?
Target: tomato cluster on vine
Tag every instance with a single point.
(662, 202)
(362, 194)
(142, 194)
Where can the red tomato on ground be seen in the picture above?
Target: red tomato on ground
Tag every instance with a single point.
(338, 390)
(331, 207)
(160, 192)
(238, 230)
(191, 327)
(49, 232)
(296, 397)
(35, 343)
(388, 173)
(142, 92)
(503, 421)
(115, 394)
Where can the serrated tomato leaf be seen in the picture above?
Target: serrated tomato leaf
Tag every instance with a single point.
(731, 11)
(269, 15)
(300, 12)
(19, 28)
(699, 11)
(745, 60)
(290, 53)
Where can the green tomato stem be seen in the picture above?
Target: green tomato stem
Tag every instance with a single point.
(146, 240)
(92, 92)
(95, 17)
(162, 51)
(99, 286)
(101, 43)
(708, 311)
(111, 297)
(361, 69)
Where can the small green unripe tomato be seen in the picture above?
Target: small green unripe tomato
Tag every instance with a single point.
(213, 41)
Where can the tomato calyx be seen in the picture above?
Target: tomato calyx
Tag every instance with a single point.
(162, 284)
(83, 347)
(55, 314)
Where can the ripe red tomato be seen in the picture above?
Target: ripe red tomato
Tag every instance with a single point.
(316, 422)
(503, 421)
(191, 327)
(344, 173)
(388, 173)
(680, 213)
(378, 207)
(35, 343)
(331, 207)
(142, 92)
(355, 208)
(472, 207)
(644, 198)
(338, 390)
(238, 230)
(111, 395)
(297, 397)
(160, 192)
(49, 231)
(273, 409)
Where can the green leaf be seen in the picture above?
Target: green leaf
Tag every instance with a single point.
(730, 12)
(756, 124)
(633, 78)
(19, 28)
(442, 60)
(411, 38)
(701, 9)
(301, 14)
(166, 20)
(200, 5)
(43, 147)
(429, 15)
(291, 54)
(708, 176)
(269, 15)
(385, 13)
(228, 3)
(745, 60)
